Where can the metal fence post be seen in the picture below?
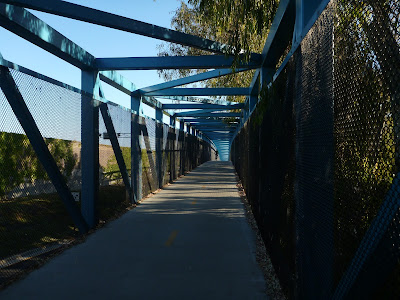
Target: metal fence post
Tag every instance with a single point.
(90, 149)
(182, 150)
(136, 152)
(159, 138)
(172, 122)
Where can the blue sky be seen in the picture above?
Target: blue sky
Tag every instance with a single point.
(99, 41)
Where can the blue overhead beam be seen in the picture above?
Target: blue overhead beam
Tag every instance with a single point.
(173, 62)
(124, 85)
(191, 79)
(195, 112)
(202, 92)
(199, 120)
(197, 100)
(217, 115)
(213, 126)
(94, 16)
(202, 106)
(24, 24)
(215, 130)
(117, 81)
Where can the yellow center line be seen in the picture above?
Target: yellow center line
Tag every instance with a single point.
(194, 202)
(171, 238)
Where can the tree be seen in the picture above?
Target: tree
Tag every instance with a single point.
(241, 24)
(19, 163)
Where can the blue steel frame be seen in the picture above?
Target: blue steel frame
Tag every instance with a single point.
(292, 21)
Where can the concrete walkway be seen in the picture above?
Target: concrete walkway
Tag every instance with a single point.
(190, 241)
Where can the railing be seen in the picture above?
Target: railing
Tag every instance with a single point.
(319, 157)
(32, 217)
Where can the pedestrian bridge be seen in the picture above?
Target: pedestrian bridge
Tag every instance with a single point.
(315, 145)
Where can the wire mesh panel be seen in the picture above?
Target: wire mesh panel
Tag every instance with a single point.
(149, 177)
(113, 195)
(319, 157)
(32, 215)
(33, 218)
(367, 111)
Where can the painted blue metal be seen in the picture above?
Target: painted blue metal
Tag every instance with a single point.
(117, 81)
(216, 115)
(172, 146)
(212, 125)
(203, 106)
(26, 25)
(280, 33)
(90, 149)
(94, 16)
(105, 113)
(197, 100)
(202, 120)
(294, 18)
(194, 113)
(202, 92)
(124, 85)
(159, 138)
(191, 79)
(173, 62)
(216, 129)
(266, 76)
(17, 103)
(136, 152)
(172, 121)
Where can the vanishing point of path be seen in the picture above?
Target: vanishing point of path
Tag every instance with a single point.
(189, 241)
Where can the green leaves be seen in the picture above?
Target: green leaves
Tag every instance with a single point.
(20, 163)
(242, 24)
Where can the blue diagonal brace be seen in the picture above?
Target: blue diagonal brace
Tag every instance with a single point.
(191, 79)
(26, 25)
(105, 113)
(27, 122)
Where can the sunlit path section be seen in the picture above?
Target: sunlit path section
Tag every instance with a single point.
(189, 241)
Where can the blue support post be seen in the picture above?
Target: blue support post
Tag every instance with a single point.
(90, 149)
(117, 149)
(17, 103)
(136, 152)
(182, 148)
(172, 154)
(159, 138)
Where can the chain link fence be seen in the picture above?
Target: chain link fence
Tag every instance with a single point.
(33, 220)
(319, 157)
